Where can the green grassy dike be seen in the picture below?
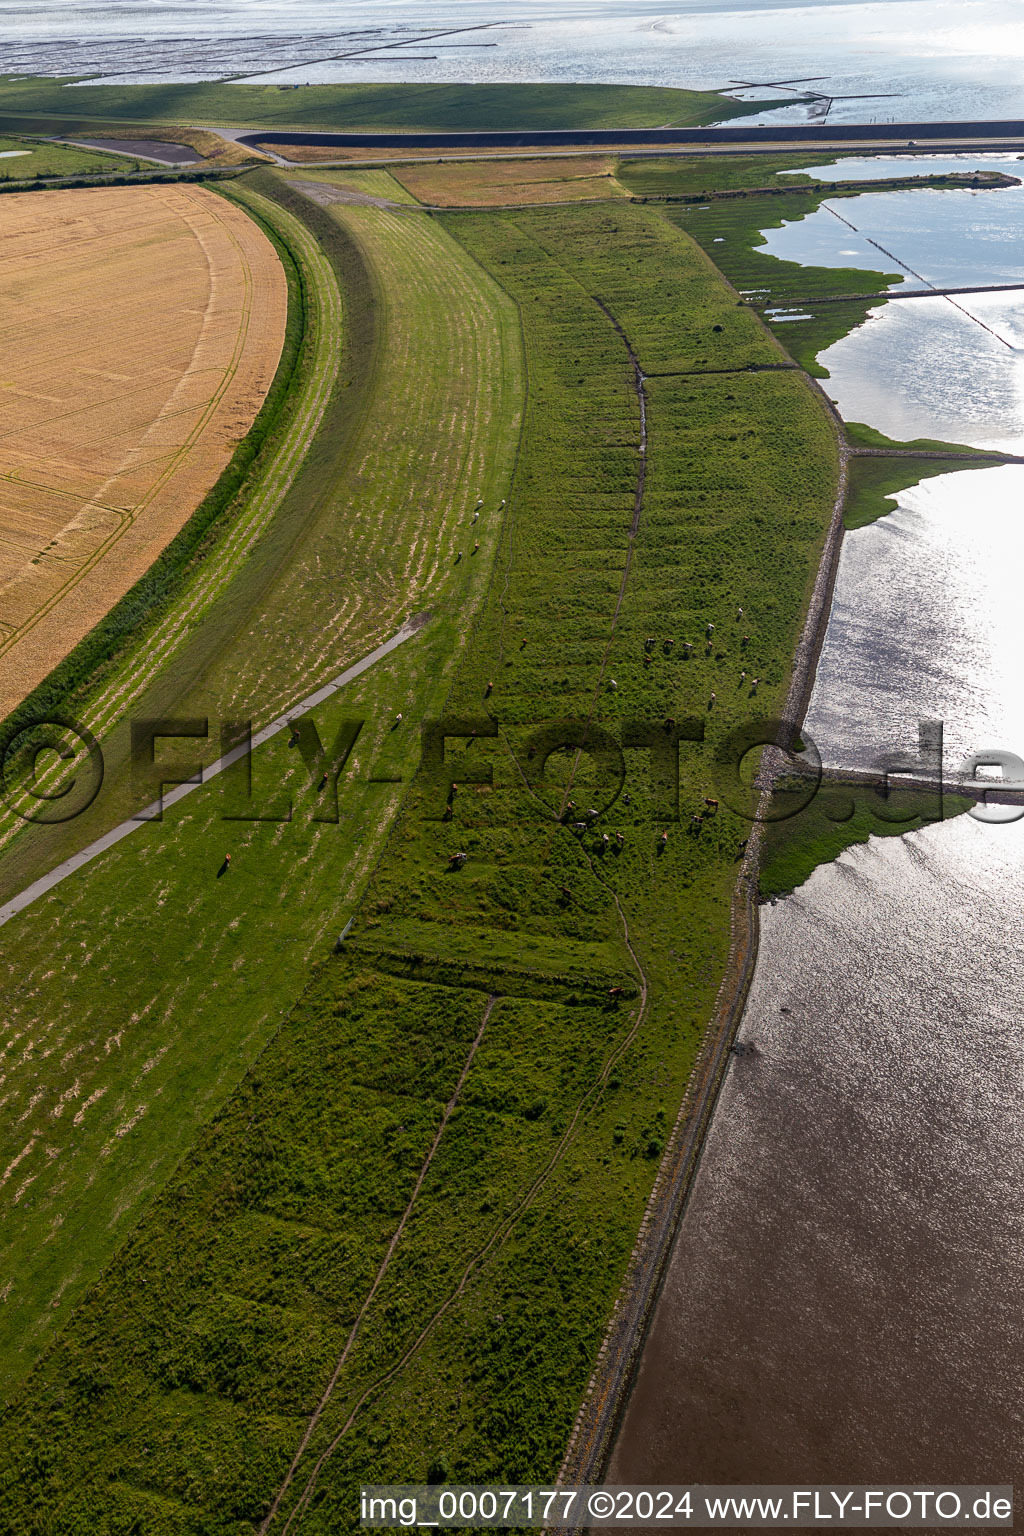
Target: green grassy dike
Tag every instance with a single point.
(475, 1002)
(137, 993)
(458, 1073)
(66, 106)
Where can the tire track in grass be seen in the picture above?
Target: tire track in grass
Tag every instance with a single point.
(590, 1098)
(497, 1240)
(449, 1110)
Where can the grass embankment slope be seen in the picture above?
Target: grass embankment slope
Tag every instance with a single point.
(374, 183)
(297, 555)
(21, 159)
(215, 150)
(382, 108)
(138, 992)
(841, 814)
(183, 1385)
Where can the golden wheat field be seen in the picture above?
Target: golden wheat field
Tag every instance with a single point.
(140, 329)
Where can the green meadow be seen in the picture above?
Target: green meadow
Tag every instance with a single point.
(876, 483)
(365, 108)
(840, 816)
(25, 159)
(538, 1003)
(140, 989)
(326, 1166)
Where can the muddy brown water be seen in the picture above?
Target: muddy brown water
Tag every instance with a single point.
(845, 1298)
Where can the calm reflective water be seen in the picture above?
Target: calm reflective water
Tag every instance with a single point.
(926, 368)
(929, 58)
(927, 624)
(845, 1293)
(952, 237)
(845, 1296)
(926, 620)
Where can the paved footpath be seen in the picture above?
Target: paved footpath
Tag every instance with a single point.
(116, 835)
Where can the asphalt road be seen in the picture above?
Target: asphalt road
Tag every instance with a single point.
(790, 133)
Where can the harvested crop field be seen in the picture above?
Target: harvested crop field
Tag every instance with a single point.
(142, 328)
(479, 184)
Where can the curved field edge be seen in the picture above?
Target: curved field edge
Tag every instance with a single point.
(68, 687)
(875, 483)
(181, 1390)
(147, 983)
(110, 669)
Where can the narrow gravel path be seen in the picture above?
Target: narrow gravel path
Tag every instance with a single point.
(117, 834)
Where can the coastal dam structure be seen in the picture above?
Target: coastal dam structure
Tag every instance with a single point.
(790, 133)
